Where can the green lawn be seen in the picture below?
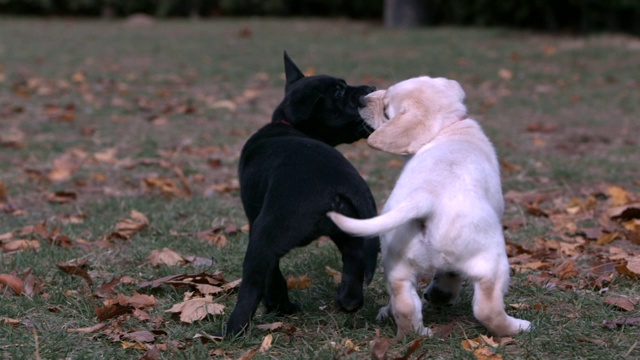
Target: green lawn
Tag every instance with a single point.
(101, 118)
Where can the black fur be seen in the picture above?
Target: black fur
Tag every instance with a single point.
(290, 177)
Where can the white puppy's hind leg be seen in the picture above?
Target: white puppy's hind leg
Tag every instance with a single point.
(488, 304)
(406, 308)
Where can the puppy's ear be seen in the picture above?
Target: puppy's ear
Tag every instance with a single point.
(455, 88)
(402, 135)
(291, 71)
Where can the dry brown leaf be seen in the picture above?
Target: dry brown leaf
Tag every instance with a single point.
(266, 343)
(631, 267)
(12, 138)
(194, 309)
(167, 257)
(380, 346)
(139, 301)
(10, 321)
(16, 284)
(213, 237)
(300, 282)
(627, 321)
(606, 238)
(509, 167)
(620, 302)
(337, 275)
(89, 329)
(152, 354)
(567, 270)
(142, 336)
(632, 225)
(3, 193)
(136, 222)
(107, 156)
(486, 353)
(618, 195)
(77, 268)
(270, 327)
(112, 308)
(20, 245)
(106, 289)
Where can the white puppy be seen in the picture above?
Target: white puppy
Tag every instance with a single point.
(444, 213)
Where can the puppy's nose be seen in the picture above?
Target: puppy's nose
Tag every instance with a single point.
(362, 101)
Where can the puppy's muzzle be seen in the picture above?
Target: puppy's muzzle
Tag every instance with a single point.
(362, 102)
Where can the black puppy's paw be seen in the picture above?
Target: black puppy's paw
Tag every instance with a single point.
(349, 304)
(438, 298)
(283, 309)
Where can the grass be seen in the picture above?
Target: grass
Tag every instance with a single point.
(188, 94)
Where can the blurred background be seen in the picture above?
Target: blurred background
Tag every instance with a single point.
(568, 16)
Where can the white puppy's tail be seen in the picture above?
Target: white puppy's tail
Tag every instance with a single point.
(390, 220)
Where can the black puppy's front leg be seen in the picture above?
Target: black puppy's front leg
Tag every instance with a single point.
(349, 296)
(276, 297)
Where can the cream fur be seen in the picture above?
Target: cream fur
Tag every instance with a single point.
(444, 214)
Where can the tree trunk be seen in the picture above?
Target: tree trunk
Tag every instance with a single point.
(404, 13)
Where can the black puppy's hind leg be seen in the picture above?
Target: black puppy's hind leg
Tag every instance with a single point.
(276, 297)
(258, 263)
(349, 296)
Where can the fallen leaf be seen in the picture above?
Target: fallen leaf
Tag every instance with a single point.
(628, 321)
(16, 284)
(167, 257)
(271, 326)
(415, 344)
(266, 343)
(618, 195)
(142, 336)
(380, 346)
(152, 354)
(106, 289)
(620, 302)
(89, 329)
(3, 193)
(631, 267)
(606, 238)
(567, 270)
(111, 309)
(194, 309)
(77, 268)
(213, 237)
(206, 338)
(10, 321)
(300, 282)
(337, 275)
(20, 245)
(136, 222)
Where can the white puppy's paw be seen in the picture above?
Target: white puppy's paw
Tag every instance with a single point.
(384, 313)
(426, 332)
(522, 325)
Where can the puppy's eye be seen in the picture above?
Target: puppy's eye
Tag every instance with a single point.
(339, 92)
(386, 115)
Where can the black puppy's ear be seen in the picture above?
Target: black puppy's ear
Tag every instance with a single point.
(291, 71)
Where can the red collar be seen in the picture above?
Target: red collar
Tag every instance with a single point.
(283, 121)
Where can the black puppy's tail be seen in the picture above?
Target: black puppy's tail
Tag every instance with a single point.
(371, 243)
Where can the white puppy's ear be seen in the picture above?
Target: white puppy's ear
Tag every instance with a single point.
(403, 135)
(456, 89)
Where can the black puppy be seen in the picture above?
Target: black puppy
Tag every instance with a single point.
(290, 177)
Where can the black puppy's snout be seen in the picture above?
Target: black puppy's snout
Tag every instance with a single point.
(362, 101)
(371, 89)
